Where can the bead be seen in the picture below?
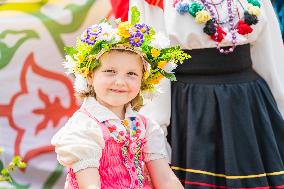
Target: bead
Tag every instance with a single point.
(121, 133)
(136, 182)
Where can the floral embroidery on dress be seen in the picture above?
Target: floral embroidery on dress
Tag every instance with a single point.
(131, 148)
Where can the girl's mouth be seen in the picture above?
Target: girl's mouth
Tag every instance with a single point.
(118, 91)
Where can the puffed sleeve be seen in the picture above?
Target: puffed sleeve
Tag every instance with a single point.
(155, 147)
(268, 55)
(79, 143)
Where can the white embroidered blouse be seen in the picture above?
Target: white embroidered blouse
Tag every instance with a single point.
(80, 142)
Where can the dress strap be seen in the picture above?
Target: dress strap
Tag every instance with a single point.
(144, 120)
(106, 133)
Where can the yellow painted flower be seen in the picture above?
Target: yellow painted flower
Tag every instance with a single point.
(123, 29)
(155, 52)
(162, 64)
(253, 10)
(202, 17)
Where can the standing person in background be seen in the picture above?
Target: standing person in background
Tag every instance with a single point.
(227, 127)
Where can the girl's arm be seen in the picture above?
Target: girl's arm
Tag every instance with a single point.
(162, 176)
(88, 178)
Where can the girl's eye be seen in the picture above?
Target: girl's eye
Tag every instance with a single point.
(132, 74)
(109, 71)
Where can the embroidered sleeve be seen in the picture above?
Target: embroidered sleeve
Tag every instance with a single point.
(79, 143)
(155, 147)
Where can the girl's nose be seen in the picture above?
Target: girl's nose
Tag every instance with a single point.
(120, 80)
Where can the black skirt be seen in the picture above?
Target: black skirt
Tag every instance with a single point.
(226, 130)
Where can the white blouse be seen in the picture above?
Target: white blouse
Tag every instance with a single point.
(80, 142)
(267, 50)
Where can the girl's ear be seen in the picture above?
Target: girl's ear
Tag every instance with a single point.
(90, 79)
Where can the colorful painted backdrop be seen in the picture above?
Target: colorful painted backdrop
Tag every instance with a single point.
(36, 97)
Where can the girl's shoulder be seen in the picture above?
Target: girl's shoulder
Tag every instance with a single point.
(79, 127)
(82, 118)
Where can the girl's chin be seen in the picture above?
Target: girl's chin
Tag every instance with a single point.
(116, 103)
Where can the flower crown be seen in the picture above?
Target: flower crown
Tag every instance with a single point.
(159, 58)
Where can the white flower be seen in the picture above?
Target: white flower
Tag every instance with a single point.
(169, 67)
(80, 83)
(117, 37)
(160, 41)
(108, 32)
(69, 64)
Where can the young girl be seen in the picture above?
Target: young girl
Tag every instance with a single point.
(106, 143)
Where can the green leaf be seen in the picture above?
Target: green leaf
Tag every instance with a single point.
(170, 76)
(1, 165)
(70, 50)
(135, 15)
(95, 64)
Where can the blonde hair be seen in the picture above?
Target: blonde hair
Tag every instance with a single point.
(136, 103)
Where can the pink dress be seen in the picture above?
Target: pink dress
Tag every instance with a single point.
(121, 164)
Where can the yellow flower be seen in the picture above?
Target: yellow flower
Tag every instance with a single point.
(79, 57)
(155, 52)
(145, 75)
(1, 150)
(22, 165)
(162, 64)
(155, 79)
(202, 17)
(76, 69)
(123, 29)
(253, 10)
(125, 122)
(91, 58)
(84, 71)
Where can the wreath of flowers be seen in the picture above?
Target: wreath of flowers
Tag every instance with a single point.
(160, 59)
(212, 28)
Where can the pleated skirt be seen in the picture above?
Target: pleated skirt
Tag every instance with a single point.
(226, 130)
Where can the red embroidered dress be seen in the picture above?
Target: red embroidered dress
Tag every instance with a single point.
(121, 163)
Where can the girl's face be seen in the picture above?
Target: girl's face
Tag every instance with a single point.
(118, 80)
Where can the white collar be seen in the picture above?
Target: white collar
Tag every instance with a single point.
(102, 113)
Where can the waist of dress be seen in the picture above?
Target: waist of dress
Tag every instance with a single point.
(210, 61)
(210, 66)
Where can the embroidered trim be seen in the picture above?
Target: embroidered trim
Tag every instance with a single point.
(227, 176)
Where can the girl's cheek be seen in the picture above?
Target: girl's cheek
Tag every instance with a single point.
(136, 84)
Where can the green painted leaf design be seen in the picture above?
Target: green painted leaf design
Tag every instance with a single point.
(6, 53)
(78, 12)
